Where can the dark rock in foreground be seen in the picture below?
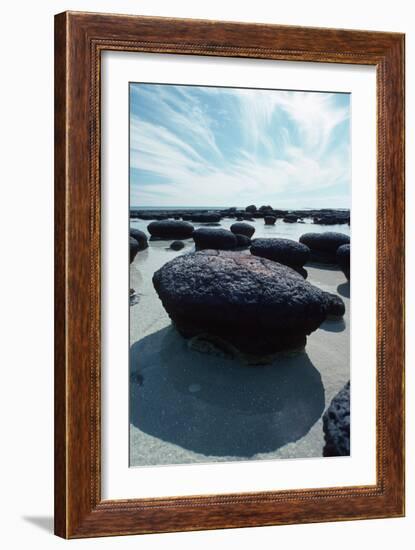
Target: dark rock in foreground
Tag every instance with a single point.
(284, 251)
(242, 241)
(170, 229)
(242, 229)
(336, 425)
(335, 305)
(270, 220)
(343, 259)
(221, 239)
(254, 304)
(323, 246)
(134, 248)
(177, 245)
(140, 237)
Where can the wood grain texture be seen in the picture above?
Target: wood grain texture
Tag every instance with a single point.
(79, 40)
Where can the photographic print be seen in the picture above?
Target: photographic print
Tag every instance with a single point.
(239, 290)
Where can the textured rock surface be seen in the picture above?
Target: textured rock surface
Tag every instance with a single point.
(242, 229)
(255, 304)
(170, 229)
(284, 251)
(336, 425)
(221, 239)
(134, 248)
(140, 237)
(343, 259)
(323, 246)
(335, 305)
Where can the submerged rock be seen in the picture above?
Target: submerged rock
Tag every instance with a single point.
(336, 425)
(290, 218)
(243, 229)
(221, 239)
(170, 229)
(323, 246)
(343, 259)
(284, 251)
(140, 237)
(177, 245)
(257, 305)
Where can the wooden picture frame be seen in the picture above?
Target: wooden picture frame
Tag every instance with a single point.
(79, 40)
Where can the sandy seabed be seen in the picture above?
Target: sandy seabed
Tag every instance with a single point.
(192, 407)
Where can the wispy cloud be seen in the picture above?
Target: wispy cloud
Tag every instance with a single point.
(224, 146)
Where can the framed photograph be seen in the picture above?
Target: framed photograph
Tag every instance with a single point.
(229, 275)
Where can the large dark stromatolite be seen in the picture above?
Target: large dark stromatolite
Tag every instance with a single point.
(241, 228)
(343, 259)
(220, 239)
(170, 229)
(256, 305)
(140, 237)
(336, 425)
(323, 246)
(284, 251)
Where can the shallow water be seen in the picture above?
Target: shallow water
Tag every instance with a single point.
(280, 229)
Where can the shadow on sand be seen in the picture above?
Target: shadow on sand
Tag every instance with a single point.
(217, 406)
(344, 289)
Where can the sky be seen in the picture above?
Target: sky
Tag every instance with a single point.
(211, 146)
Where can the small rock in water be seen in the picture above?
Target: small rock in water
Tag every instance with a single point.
(177, 245)
(193, 388)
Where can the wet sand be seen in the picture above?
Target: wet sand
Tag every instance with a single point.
(191, 407)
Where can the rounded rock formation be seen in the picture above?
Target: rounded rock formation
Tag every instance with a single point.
(335, 306)
(336, 425)
(343, 259)
(270, 220)
(243, 229)
(254, 304)
(220, 239)
(284, 251)
(323, 246)
(140, 237)
(251, 208)
(170, 229)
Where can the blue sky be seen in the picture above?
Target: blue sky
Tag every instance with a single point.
(209, 146)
